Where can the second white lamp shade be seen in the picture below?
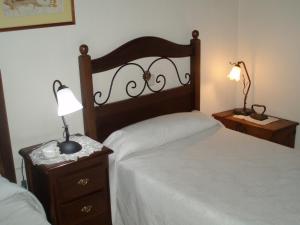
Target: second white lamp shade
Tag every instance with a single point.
(235, 73)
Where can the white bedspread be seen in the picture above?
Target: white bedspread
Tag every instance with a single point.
(18, 206)
(215, 177)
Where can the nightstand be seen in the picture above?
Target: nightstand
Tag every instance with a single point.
(281, 131)
(72, 192)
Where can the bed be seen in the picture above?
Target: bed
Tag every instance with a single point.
(172, 164)
(18, 206)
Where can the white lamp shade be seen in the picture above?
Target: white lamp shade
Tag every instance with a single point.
(235, 73)
(67, 103)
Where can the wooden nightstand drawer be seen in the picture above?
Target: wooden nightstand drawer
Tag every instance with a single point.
(246, 129)
(81, 183)
(84, 208)
(258, 132)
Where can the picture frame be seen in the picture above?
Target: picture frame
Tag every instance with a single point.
(28, 14)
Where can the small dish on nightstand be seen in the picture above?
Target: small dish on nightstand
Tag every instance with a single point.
(50, 150)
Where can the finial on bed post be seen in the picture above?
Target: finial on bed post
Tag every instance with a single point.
(195, 34)
(195, 68)
(84, 49)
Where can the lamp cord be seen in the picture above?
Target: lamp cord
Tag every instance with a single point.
(22, 171)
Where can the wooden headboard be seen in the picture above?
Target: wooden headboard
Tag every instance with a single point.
(101, 119)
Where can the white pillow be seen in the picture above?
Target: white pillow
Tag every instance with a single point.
(157, 131)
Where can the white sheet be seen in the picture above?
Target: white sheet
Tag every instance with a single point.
(18, 206)
(216, 177)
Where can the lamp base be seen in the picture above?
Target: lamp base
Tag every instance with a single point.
(69, 147)
(242, 111)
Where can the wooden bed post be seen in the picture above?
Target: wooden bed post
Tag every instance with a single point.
(7, 168)
(86, 83)
(195, 68)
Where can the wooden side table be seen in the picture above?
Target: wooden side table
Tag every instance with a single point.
(72, 192)
(281, 131)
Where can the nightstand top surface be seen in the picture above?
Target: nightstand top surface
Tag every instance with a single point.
(25, 153)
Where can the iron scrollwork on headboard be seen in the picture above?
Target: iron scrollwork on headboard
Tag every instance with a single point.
(160, 78)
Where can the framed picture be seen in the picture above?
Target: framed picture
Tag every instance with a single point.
(27, 14)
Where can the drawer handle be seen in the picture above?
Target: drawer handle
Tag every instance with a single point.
(83, 181)
(87, 208)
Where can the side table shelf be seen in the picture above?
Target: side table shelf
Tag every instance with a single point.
(281, 131)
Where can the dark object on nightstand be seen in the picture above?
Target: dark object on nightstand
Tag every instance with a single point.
(281, 131)
(258, 116)
(72, 193)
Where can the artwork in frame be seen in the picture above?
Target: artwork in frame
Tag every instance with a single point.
(26, 14)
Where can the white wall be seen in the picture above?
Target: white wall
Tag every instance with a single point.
(32, 59)
(269, 43)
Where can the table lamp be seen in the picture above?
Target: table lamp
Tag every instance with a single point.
(235, 74)
(67, 103)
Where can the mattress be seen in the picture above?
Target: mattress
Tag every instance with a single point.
(214, 177)
(18, 206)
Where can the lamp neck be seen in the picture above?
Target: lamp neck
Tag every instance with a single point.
(66, 129)
(249, 83)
